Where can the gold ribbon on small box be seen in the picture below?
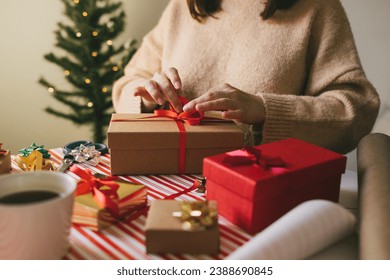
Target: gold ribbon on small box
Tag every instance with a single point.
(34, 158)
(196, 215)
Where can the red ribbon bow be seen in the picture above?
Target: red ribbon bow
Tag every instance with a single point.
(254, 156)
(2, 152)
(192, 118)
(104, 191)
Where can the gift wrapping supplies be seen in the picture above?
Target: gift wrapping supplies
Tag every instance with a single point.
(101, 201)
(34, 158)
(182, 227)
(167, 142)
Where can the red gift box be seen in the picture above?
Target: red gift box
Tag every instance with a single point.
(253, 191)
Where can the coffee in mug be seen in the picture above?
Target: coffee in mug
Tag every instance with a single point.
(35, 215)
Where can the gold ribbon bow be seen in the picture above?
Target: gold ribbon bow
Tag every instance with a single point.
(196, 215)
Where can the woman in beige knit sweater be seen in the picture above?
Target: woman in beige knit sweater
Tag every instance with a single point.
(279, 68)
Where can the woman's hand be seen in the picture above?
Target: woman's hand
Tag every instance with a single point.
(234, 104)
(164, 86)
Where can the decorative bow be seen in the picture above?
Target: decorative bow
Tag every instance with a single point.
(34, 158)
(192, 118)
(196, 215)
(2, 152)
(254, 156)
(27, 151)
(86, 154)
(104, 190)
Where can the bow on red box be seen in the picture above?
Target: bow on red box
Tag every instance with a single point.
(254, 156)
(104, 191)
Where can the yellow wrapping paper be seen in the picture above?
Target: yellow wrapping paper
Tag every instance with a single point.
(33, 162)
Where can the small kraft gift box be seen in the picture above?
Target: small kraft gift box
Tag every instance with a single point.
(101, 201)
(181, 227)
(257, 185)
(148, 144)
(5, 161)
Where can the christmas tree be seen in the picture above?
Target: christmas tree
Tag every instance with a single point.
(90, 61)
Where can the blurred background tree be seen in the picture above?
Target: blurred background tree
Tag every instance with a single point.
(90, 61)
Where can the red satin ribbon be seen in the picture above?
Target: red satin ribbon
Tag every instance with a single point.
(104, 191)
(254, 156)
(191, 118)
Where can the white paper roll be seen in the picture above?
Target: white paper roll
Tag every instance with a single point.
(302, 232)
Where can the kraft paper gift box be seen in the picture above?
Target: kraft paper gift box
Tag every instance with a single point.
(89, 213)
(165, 233)
(142, 145)
(5, 162)
(291, 171)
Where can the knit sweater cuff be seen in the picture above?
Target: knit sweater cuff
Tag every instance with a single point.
(128, 102)
(279, 117)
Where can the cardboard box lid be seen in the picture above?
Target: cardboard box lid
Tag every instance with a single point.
(305, 164)
(160, 216)
(140, 132)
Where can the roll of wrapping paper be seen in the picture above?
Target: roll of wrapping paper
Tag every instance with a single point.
(304, 231)
(373, 159)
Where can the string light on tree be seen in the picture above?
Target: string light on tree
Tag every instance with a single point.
(92, 25)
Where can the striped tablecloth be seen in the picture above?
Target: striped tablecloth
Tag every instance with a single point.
(126, 240)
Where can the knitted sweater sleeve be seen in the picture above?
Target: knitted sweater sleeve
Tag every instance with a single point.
(338, 105)
(145, 62)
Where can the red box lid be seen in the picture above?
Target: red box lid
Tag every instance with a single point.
(305, 164)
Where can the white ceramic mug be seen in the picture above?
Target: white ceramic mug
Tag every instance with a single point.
(36, 230)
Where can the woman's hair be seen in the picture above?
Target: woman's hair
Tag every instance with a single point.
(201, 9)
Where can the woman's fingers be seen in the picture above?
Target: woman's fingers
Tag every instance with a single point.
(167, 90)
(155, 92)
(234, 114)
(173, 76)
(164, 86)
(221, 104)
(209, 100)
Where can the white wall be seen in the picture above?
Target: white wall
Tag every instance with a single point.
(26, 30)
(370, 22)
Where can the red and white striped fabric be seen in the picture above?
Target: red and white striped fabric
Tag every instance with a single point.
(126, 240)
